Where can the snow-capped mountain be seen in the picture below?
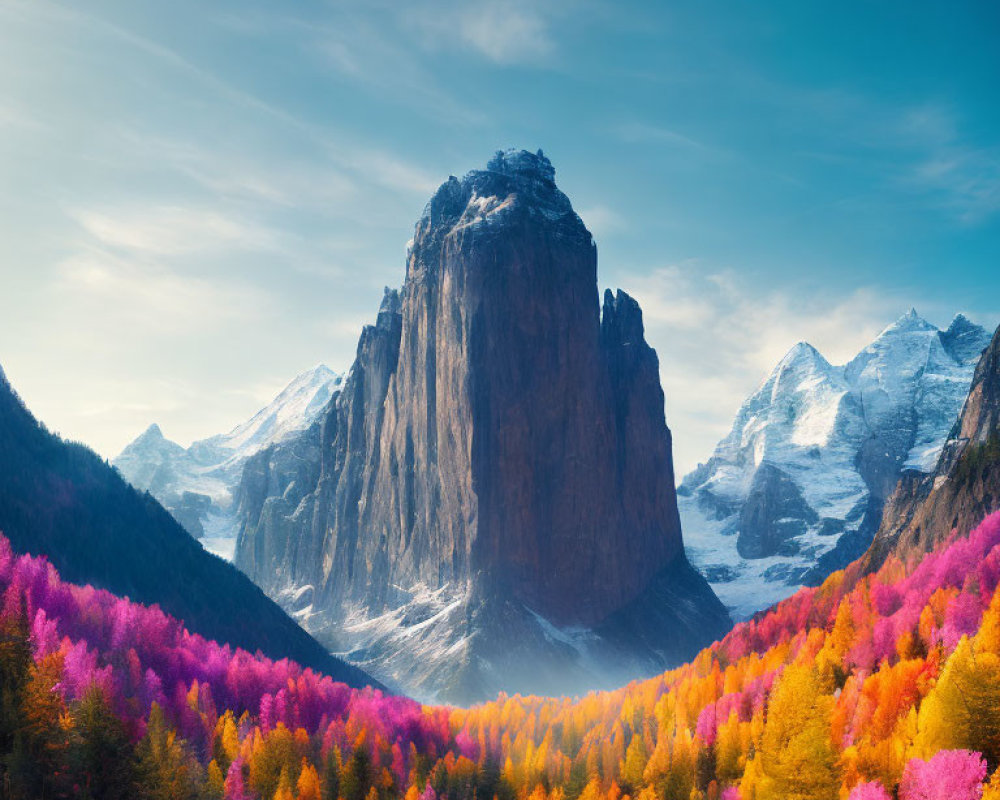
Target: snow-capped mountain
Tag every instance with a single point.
(796, 489)
(196, 484)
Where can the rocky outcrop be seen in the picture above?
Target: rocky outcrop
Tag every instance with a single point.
(926, 508)
(494, 479)
(773, 516)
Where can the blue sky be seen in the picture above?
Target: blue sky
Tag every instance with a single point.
(203, 199)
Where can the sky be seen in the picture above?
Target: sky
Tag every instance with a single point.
(200, 200)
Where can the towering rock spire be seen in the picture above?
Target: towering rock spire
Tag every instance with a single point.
(499, 442)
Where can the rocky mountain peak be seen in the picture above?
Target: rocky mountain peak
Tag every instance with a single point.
(963, 339)
(621, 319)
(152, 433)
(909, 322)
(522, 163)
(802, 356)
(516, 190)
(964, 485)
(815, 451)
(498, 461)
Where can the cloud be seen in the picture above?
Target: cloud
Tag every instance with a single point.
(506, 32)
(112, 294)
(12, 118)
(601, 220)
(962, 178)
(643, 133)
(172, 230)
(965, 181)
(924, 151)
(718, 337)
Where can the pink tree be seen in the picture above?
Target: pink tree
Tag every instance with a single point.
(949, 775)
(869, 791)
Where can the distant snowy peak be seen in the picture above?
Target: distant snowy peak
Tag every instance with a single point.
(294, 409)
(796, 486)
(963, 340)
(196, 483)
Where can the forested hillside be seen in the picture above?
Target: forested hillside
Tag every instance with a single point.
(888, 687)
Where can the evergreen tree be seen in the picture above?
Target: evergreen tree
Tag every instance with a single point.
(15, 667)
(331, 776)
(101, 757)
(165, 769)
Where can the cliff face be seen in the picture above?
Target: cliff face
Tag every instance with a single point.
(964, 487)
(500, 443)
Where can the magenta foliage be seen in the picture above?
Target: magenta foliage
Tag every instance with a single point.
(234, 788)
(428, 792)
(949, 775)
(869, 791)
(138, 655)
(730, 793)
(706, 725)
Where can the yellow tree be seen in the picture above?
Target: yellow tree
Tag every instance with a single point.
(830, 659)
(962, 711)
(797, 760)
(634, 764)
(284, 790)
(308, 784)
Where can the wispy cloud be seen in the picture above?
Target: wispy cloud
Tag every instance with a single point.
(19, 118)
(963, 178)
(643, 133)
(923, 150)
(718, 336)
(173, 230)
(506, 32)
(602, 220)
(111, 294)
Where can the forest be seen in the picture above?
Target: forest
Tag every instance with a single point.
(865, 688)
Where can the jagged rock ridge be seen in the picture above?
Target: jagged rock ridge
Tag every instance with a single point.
(488, 504)
(964, 487)
(796, 490)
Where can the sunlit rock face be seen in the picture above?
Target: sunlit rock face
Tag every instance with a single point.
(964, 486)
(493, 506)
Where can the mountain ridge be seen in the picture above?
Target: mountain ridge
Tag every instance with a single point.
(796, 489)
(196, 483)
(926, 508)
(63, 501)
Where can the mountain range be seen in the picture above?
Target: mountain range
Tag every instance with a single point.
(196, 484)
(61, 500)
(926, 508)
(796, 490)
